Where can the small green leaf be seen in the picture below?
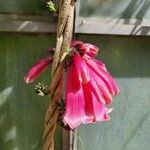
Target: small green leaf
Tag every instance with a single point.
(52, 6)
(68, 50)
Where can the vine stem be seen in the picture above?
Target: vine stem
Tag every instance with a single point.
(64, 36)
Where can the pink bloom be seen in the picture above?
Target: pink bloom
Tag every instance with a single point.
(89, 49)
(37, 69)
(74, 99)
(76, 43)
(85, 48)
(81, 68)
(88, 89)
(104, 75)
(86, 94)
(89, 86)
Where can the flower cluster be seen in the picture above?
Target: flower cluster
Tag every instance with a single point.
(89, 86)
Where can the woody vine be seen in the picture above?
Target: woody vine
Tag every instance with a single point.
(88, 85)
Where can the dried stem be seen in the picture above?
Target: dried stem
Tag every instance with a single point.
(64, 36)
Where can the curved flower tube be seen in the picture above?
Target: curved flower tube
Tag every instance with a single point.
(85, 48)
(85, 98)
(37, 69)
(75, 103)
(105, 76)
(89, 87)
(89, 49)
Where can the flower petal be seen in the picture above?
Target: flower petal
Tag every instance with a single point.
(89, 49)
(37, 69)
(105, 76)
(74, 99)
(81, 68)
(76, 43)
(100, 64)
(93, 107)
(100, 88)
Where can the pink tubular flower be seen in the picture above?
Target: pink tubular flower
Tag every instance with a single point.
(89, 86)
(74, 99)
(89, 49)
(37, 69)
(75, 43)
(85, 48)
(88, 89)
(84, 100)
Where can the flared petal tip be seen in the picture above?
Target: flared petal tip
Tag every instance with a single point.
(106, 116)
(37, 69)
(27, 80)
(73, 124)
(116, 89)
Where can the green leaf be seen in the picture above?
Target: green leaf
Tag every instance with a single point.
(68, 50)
(52, 6)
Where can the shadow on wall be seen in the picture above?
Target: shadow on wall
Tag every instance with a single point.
(144, 30)
(8, 131)
(20, 118)
(22, 112)
(136, 9)
(120, 11)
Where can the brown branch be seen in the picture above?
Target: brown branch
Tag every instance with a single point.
(57, 54)
(64, 35)
(50, 126)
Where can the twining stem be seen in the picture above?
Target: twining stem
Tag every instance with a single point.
(64, 36)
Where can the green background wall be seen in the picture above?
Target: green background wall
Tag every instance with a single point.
(128, 59)
(22, 112)
(23, 6)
